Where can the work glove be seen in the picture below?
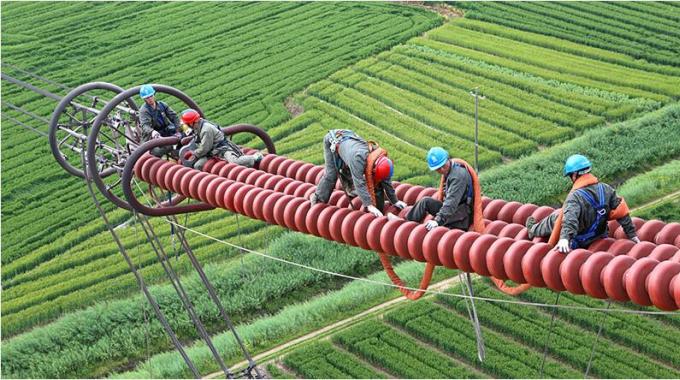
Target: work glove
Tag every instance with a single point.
(313, 199)
(155, 134)
(636, 240)
(563, 246)
(373, 210)
(258, 157)
(431, 225)
(400, 205)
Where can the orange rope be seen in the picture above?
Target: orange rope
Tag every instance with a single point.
(396, 280)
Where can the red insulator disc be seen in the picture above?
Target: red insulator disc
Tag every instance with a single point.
(415, 242)
(211, 190)
(507, 212)
(373, 233)
(243, 175)
(302, 189)
(202, 190)
(227, 169)
(313, 174)
(361, 229)
(335, 224)
(138, 165)
(485, 201)
(620, 234)
(185, 180)
(221, 191)
(542, 212)
(209, 164)
(215, 169)
(511, 265)
(669, 234)
(234, 172)
(428, 192)
(159, 177)
(675, 289)
(461, 251)
(348, 225)
(523, 234)
(301, 216)
(600, 245)
(478, 252)
(446, 246)
(253, 176)
(612, 277)
(153, 171)
(401, 189)
(168, 181)
(650, 229)
(430, 245)
(495, 227)
(268, 206)
(658, 284)
(145, 168)
(635, 280)
(621, 247)
(290, 211)
(274, 164)
(266, 161)
(280, 209)
(249, 201)
(259, 203)
(292, 170)
(493, 208)
(511, 230)
(281, 185)
(663, 252)
(283, 168)
(531, 266)
(412, 194)
(335, 198)
(524, 212)
(291, 187)
(591, 274)
(494, 258)
(301, 174)
(570, 270)
(642, 249)
(320, 223)
(387, 236)
(550, 270)
(401, 237)
(240, 195)
(311, 221)
(272, 182)
(192, 189)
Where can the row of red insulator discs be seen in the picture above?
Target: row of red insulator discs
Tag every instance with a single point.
(653, 231)
(642, 277)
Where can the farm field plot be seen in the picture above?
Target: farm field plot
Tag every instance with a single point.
(556, 79)
(56, 255)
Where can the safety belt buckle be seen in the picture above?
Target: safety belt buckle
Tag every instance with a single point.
(601, 212)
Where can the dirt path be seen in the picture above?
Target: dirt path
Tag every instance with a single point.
(331, 328)
(656, 201)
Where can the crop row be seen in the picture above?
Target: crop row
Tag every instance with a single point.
(453, 334)
(322, 360)
(83, 340)
(569, 343)
(559, 24)
(399, 354)
(614, 151)
(625, 78)
(651, 185)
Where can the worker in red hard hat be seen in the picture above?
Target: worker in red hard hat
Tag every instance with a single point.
(211, 142)
(363, 168)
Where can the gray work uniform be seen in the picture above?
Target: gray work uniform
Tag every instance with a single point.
(162, 119)
(456, 210)
(211, 142)
(349, 162)
(579, 215)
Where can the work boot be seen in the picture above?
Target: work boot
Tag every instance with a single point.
(531, 222)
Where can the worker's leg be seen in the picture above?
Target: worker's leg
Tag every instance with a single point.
(243, 160)
(545, 227)
(160, 151)
(200, 162)
(327, 183)
(424, 207)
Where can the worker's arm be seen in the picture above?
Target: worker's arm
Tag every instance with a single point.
(389, 190)
(572, 209)
(172, 116)
(205, 146)
(146, 122)
(626, 222)
(455, 191)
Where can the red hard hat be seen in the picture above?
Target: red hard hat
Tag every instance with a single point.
(382, 169)
(190, 116)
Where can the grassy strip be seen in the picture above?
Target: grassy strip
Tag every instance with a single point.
(291, 322)
(668, 211)
(96, 340)
(614, 151)
(321, 360)
(651, 185)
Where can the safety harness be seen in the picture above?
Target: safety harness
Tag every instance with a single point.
(470, 187)
(601, 212)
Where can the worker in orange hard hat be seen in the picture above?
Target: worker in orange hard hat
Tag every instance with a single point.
(211, 142)
(363, 168)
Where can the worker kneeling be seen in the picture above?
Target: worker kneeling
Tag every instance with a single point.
(211, 142)
(584, 215)
(454, 207)
(363, 168)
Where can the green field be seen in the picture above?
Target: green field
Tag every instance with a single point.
(557, 78)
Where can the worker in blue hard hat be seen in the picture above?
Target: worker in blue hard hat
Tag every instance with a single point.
(584, 215)
(454, 206)
(157, 119)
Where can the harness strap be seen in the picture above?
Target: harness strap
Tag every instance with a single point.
(601, 211)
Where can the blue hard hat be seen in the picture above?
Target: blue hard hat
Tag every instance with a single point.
(576, 163)
(437, 157)
(146, 90)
